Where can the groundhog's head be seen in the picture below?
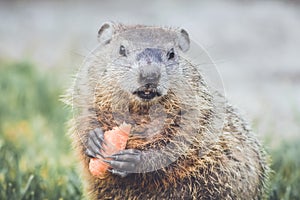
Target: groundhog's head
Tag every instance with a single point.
(145, 60)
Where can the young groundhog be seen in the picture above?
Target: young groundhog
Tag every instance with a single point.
(183, 144)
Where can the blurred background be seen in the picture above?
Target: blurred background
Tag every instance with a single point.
(255, 44)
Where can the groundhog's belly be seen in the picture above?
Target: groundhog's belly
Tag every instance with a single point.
(153, 185)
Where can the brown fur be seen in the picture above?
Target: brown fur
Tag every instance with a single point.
(214, 162)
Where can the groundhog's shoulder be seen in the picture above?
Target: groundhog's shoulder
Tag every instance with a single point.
(243, 154)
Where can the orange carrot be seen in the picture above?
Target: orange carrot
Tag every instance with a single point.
(116, 140)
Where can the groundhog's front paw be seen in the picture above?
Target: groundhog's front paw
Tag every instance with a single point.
(94, 143)
(125, 162)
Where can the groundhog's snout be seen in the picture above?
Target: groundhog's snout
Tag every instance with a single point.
(149, 80)
(149, 73)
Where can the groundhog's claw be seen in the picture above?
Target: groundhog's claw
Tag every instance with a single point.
(94, 144)
(119, 173)
(125, 162)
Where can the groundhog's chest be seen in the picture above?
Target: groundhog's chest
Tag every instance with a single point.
(150, 124)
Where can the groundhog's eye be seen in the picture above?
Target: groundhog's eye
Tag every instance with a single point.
(122, 51)
(171, 54)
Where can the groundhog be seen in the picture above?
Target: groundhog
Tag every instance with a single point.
(184, 143)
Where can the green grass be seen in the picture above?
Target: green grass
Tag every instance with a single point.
(35, 155)
(285, 182)
(36, 160)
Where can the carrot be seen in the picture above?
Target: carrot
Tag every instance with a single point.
(116, 140)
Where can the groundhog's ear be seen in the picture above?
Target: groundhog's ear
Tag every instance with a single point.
(183, 40)
(106, 32)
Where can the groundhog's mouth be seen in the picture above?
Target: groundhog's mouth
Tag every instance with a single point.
(147, 92)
